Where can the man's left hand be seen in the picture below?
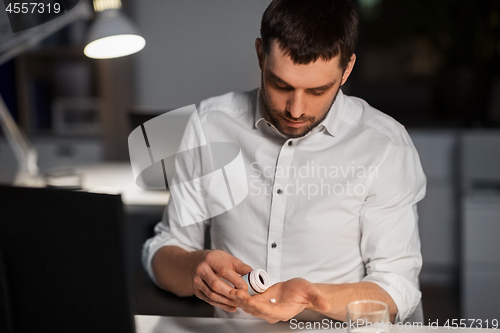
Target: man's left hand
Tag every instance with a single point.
(289, 299)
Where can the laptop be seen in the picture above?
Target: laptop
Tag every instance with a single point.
(62, 263)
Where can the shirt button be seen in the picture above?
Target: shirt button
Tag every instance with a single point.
(279, 191)
(268, 124)
(290, 143)
(273, 245)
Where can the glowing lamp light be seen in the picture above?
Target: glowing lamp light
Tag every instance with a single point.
(114, 46)
(112, 35)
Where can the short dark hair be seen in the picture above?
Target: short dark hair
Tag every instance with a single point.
(309, 29)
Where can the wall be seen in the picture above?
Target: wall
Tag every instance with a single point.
(439, 210)
(196, 49)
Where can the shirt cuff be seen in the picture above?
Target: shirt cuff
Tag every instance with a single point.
(149, 250)
(404, 293)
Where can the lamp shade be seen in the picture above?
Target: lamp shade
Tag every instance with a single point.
(112, 35)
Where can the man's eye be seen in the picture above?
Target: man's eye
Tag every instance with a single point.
(317, 93)
(284, 88)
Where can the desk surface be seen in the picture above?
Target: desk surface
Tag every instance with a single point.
(118, 178)
(155, 324)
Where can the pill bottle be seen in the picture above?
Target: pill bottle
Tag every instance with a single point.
(258, 281)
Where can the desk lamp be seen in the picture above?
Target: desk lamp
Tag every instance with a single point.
(112, 35)
(110, 31)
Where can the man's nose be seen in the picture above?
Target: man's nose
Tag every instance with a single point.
(296, 104)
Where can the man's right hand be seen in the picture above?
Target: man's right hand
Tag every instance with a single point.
(213, 265)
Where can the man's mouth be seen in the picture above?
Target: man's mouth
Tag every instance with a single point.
(295, 124)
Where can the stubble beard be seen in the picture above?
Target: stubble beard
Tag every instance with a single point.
(274, 116)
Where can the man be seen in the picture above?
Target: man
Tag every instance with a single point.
(333, 185)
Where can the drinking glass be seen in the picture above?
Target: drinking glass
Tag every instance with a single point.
(368, 317)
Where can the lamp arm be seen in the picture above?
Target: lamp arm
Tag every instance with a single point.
(14, 48)
(24, 150)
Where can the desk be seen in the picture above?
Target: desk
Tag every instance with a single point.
(118, 178)
(155, 324)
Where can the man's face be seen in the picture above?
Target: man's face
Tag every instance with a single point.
(298, 97)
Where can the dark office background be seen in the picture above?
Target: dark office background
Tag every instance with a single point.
(433, 65)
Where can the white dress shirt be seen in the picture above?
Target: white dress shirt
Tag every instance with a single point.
(335, 206)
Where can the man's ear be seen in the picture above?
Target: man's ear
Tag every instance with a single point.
(260, 52)
(348, 69)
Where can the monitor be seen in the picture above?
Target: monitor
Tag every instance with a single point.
(63, 262)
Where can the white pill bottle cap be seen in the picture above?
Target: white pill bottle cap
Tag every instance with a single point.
(258, 281)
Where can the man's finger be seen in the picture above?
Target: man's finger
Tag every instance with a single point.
(239, 294)
(240, 297)
(222, 306)
(214, 296)
(215, 283)
(227, 272)
(240, 267)
(248, 308)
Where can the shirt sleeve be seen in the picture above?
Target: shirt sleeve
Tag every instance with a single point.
(390, 243)
(170, 232)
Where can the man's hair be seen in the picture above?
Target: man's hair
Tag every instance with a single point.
(308, 29)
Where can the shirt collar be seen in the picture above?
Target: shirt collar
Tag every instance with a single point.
(331, 122)
(333, 119)
(258, 110)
